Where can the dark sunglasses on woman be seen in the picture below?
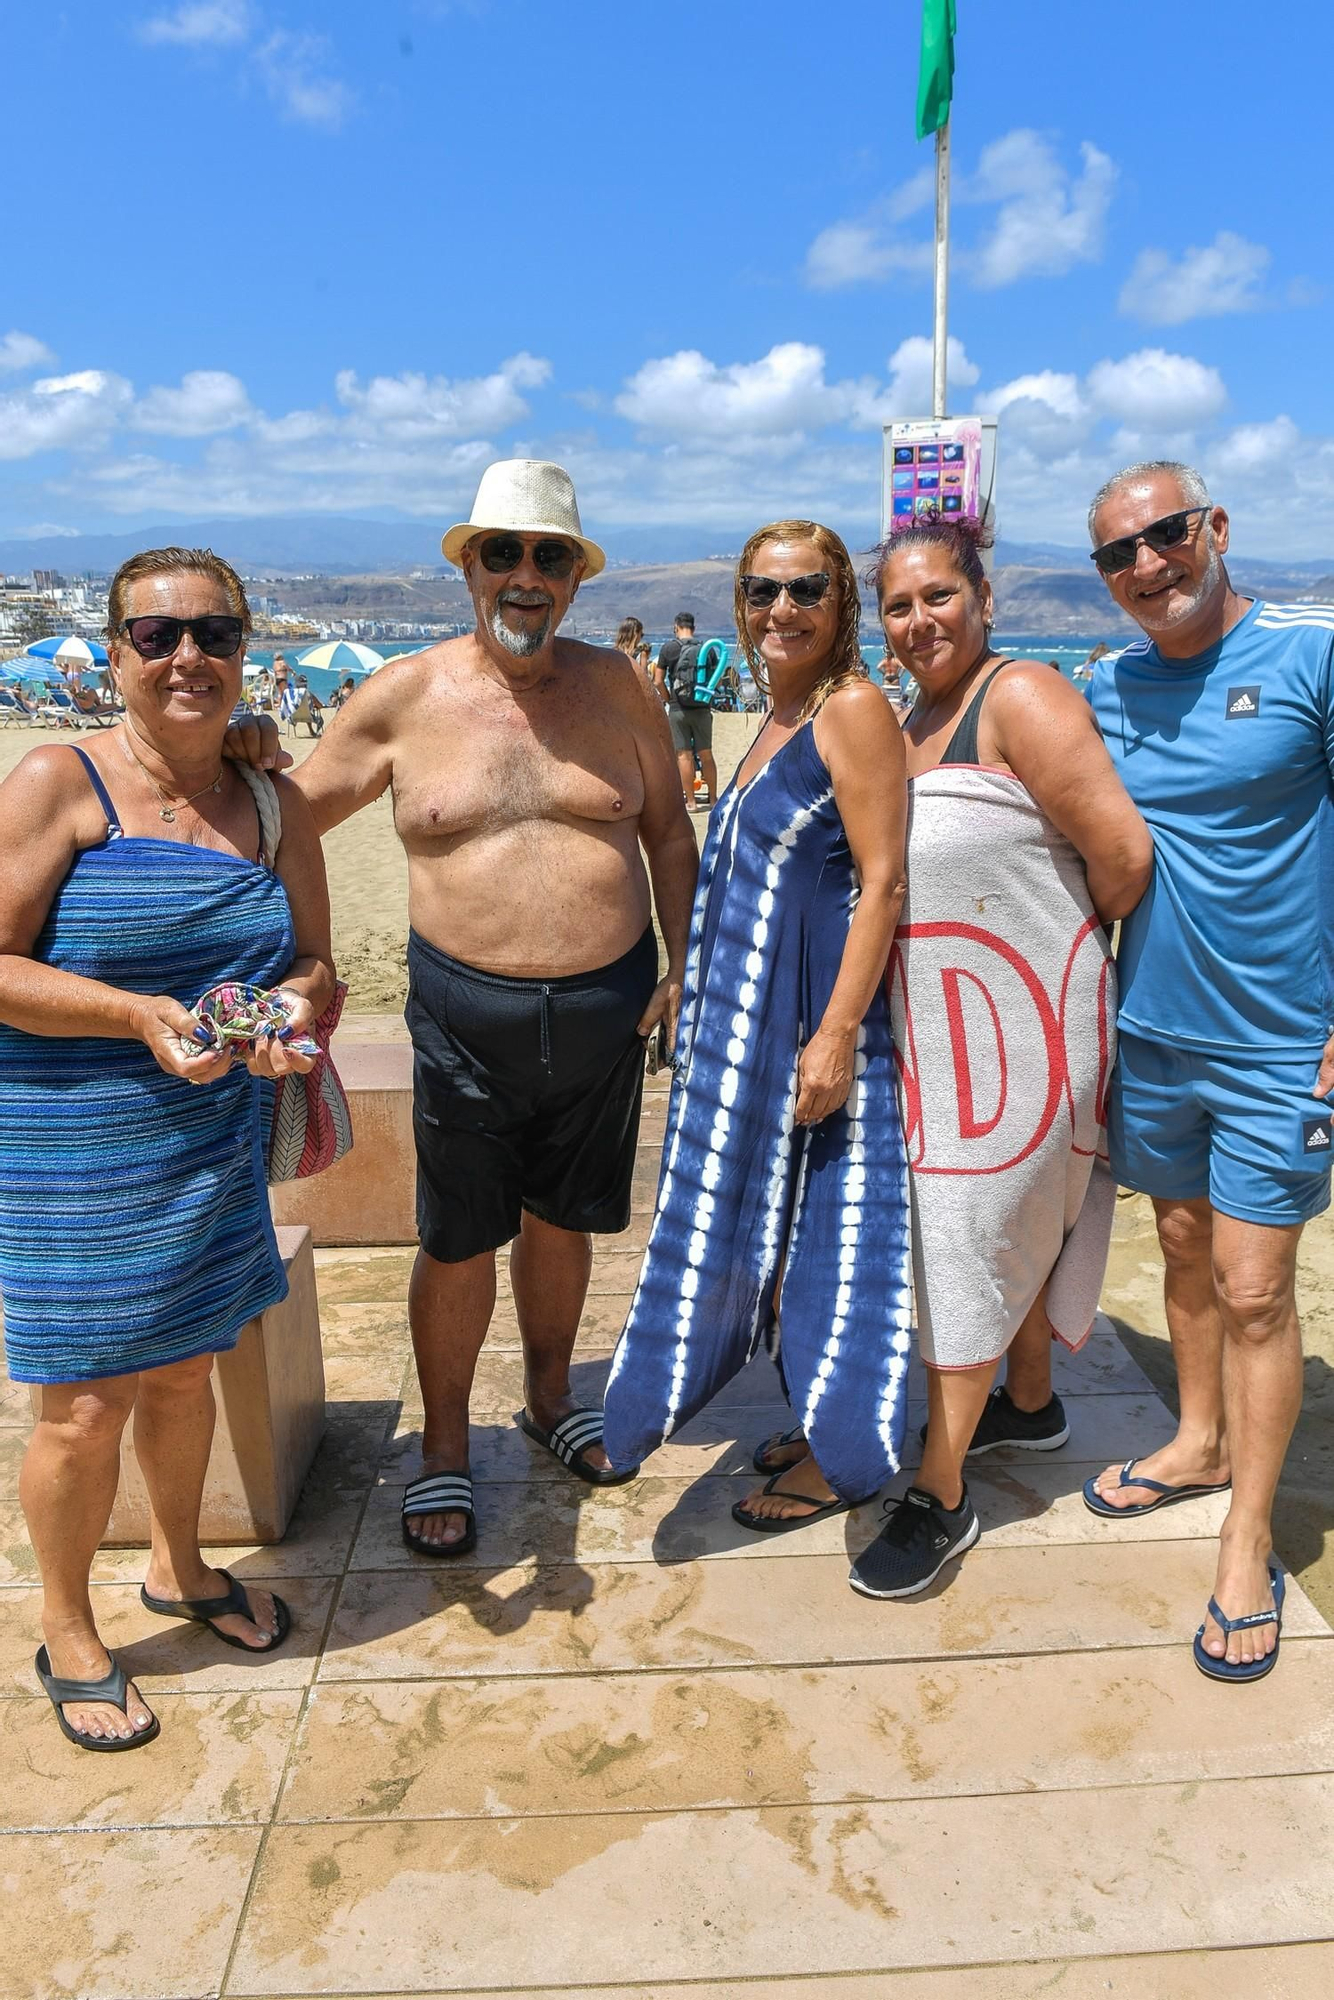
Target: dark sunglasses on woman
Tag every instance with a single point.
(502, 553)
(1168, 533)
(219, 635)
(804, 591)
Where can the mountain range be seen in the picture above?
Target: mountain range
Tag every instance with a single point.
(1040, 587)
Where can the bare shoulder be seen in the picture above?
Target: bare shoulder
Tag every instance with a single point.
(377, 704)
(858, 709)
(1030, 687)
(48, 776)
(604, 670)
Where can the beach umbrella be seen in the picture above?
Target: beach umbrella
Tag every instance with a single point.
(70, 651)
(340, 656)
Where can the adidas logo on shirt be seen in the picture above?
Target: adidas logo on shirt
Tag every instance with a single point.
(1315, 1136)
(1242, 701)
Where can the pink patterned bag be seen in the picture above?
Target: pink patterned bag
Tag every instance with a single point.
(311, 1125)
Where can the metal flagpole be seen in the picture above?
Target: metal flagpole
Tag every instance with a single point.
(941, 328)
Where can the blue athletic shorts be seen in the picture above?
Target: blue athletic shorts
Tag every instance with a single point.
(1243, 1131)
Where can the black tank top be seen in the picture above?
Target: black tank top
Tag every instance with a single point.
(962, 746)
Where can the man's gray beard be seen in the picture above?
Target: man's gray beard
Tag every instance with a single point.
(1204, 588)
(521, 644)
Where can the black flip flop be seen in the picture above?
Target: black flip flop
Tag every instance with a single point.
(571, 1440)
(112, 1688)
(774, 1443)
(778, 1525)
(203, 1610)
(439, 1493)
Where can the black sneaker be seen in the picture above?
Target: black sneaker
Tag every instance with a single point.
(918, 1539)
(1002, 1422)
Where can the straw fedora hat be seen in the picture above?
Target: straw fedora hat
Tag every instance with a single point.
(527, 496)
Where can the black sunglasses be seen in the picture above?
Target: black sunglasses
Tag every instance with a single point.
(1168, 533)
(762, 591)
(154, 638)
(502, 553)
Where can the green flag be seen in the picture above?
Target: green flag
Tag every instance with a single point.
(935, 73)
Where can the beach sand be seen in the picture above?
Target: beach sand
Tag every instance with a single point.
(368, 887)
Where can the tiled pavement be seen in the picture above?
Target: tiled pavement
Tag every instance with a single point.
(626, 1749)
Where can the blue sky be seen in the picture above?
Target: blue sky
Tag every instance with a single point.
(274, 256)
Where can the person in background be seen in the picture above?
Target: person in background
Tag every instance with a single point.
(630, 640)
(690, 721)
(307, 707)
(343, 692)
(282, 687)
(140, 888)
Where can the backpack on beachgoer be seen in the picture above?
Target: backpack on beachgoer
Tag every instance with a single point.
(687, 674)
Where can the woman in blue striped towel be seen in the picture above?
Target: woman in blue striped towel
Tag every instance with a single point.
(135, 1237)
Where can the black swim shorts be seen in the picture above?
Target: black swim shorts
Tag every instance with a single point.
(525, 1096)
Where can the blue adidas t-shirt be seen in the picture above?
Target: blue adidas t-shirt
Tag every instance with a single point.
(1229, 757)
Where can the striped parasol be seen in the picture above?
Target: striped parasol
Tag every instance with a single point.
(341, 656)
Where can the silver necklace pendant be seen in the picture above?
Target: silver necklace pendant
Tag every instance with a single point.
(168, 813)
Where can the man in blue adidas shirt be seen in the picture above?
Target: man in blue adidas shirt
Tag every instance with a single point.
(1220, 722)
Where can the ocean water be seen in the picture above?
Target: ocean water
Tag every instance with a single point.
(1068, 653)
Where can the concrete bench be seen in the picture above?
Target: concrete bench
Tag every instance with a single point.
(270, 1395)
(371, 1195)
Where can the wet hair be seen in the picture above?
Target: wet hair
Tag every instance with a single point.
(684, 621)
(962, 540)
(174, 562)
(629, 636)
(845, 660)
(1190, 483)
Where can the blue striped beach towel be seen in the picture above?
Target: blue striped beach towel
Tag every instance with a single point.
(134, 1217)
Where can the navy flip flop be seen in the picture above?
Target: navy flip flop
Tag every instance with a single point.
(1167, 1495)
(1243, 1670)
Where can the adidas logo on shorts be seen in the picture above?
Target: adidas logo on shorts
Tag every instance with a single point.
(1315, 1135)
(1243, 701)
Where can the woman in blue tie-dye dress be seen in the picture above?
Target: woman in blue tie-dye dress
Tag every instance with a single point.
(782, 1209)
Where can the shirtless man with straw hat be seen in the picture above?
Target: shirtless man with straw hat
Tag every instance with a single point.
(532, 777)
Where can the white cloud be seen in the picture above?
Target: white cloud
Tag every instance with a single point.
(293, 69)
(858, 253)
(294, 72)
(419, 406)
(62, 413)
(1252, 448)
(784, 392)
(1049, 219)
(20, 352)
(782, 398)
(1153, 390)
(208, 400)
(1225, 276)
(1059, 393)
(910, 376)
(199, 24)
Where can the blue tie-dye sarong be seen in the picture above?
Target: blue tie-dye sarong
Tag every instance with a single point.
(748, 1201)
